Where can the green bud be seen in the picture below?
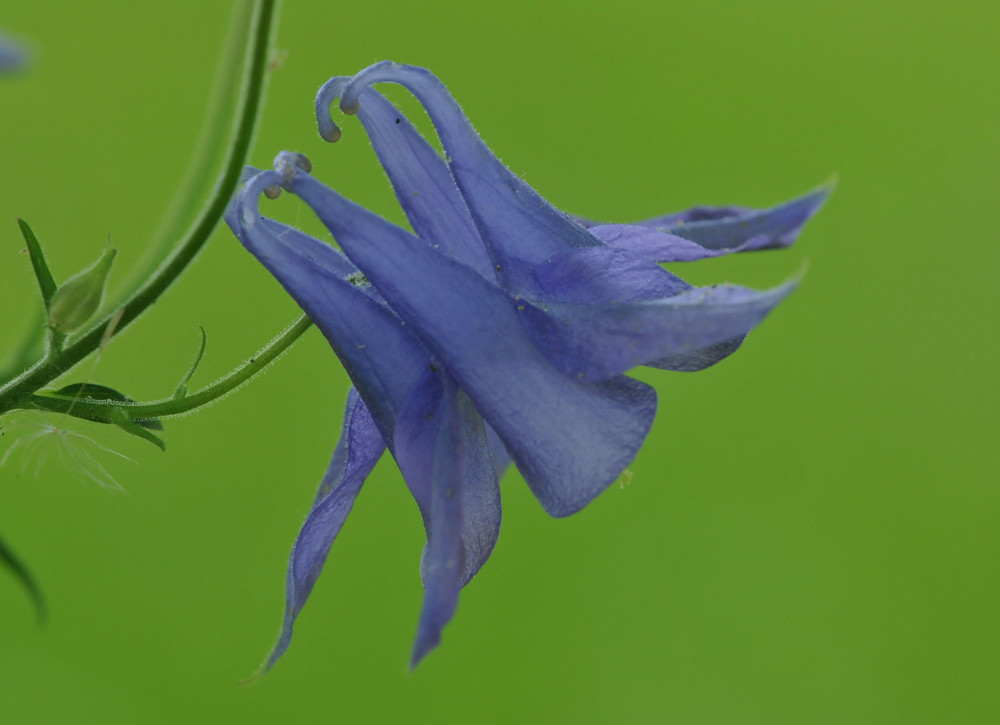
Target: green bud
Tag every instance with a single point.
(78, 298)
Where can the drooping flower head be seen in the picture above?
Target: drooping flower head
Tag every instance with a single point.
(499, 326)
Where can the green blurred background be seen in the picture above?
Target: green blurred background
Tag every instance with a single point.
(810, 534)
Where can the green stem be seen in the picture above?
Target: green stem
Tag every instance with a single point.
(15, 393)
(211, 139)
(91, 409)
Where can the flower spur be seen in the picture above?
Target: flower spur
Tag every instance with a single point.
(607, 308)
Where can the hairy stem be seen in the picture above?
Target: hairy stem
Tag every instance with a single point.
(92, 409)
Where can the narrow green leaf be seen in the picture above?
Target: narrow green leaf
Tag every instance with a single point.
(10, 560)
(45, 281)
(121, 419)
(92, 392)
(182, 386)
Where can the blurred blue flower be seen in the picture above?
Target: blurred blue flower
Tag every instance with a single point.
(500, 326)
(12, 55)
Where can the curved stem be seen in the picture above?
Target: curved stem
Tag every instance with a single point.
(15, 393)
(211, 139)
(90, 410)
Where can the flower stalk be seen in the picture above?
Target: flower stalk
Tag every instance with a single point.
(80, 406)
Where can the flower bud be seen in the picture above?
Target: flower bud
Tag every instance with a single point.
(78, 298)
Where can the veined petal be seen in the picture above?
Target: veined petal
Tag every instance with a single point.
(699, 359)
(381, 356)
(596, 275)
(608, 276)
(710, 232)
(357, 452)
(316, 251)
(441, 447)
(599, 341)
(481, 507)
(569, 439)
(655, 244)
(420, 177)
(518, 225)
(694, 214)
(501, 458)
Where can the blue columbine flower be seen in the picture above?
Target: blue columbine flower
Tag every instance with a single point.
(501, 326)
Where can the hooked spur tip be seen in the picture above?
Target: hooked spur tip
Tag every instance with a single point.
(327, 94)
(350, 109)
(273, 191)
(286, 162)
(331, 134)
